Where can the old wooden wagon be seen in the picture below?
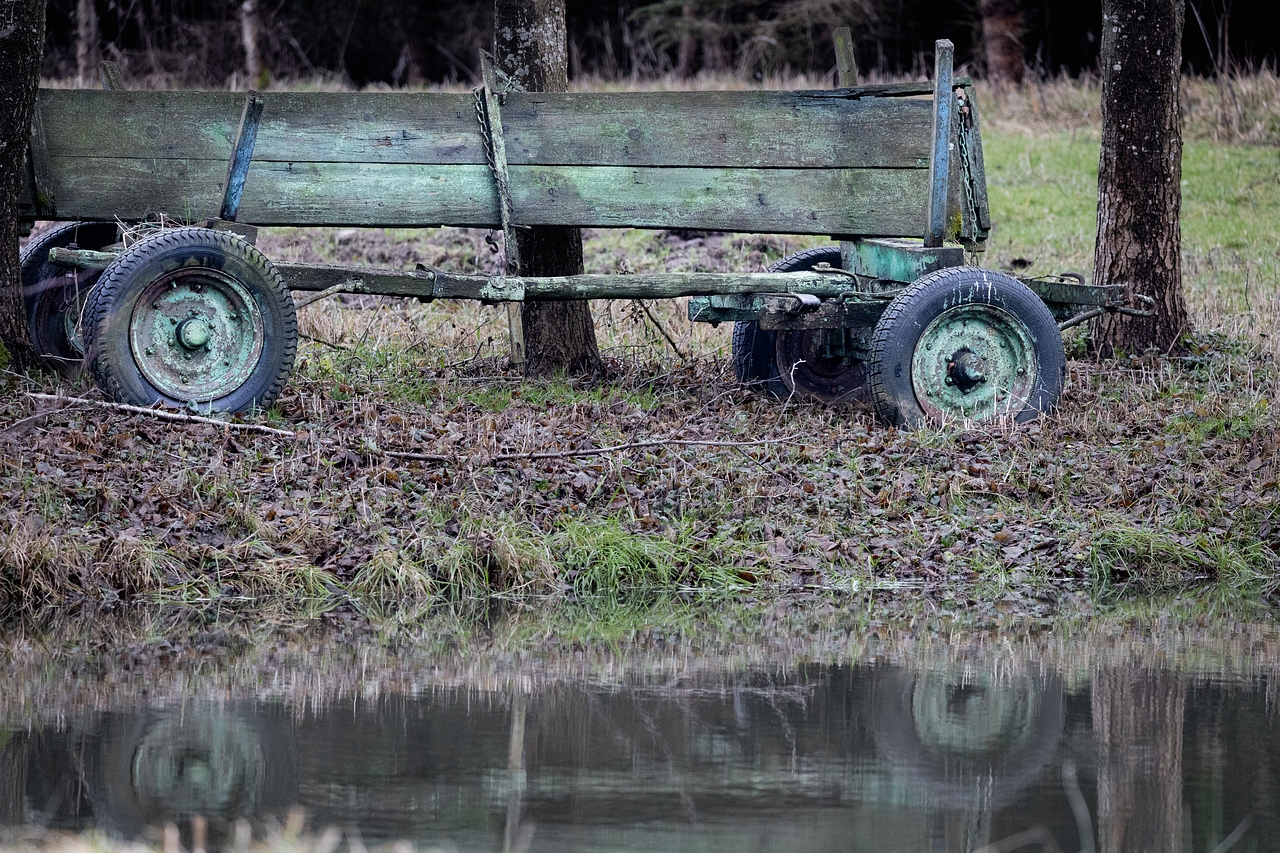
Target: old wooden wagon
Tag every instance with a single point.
(197, 316)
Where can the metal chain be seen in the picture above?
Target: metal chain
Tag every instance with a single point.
(966, 126)
(484, 131)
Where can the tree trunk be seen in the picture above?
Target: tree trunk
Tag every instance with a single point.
(688, 55)
(251, 38)
(1002, 40)
(1137, 724)
(21, 44)
(1140, 172)
(86, 43)
(530, 46)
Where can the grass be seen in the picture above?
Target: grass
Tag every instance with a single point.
(1137, 482)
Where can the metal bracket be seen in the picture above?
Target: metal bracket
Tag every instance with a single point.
(940, 162)
(489, 111)
(241, 156)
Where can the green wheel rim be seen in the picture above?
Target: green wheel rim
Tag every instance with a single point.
(196, 334)
(974, 361)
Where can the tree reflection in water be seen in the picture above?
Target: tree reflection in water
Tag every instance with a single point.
(959, 753)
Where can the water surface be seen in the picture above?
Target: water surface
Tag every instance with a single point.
(945, 752)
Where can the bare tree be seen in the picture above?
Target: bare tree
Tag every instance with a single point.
(1002, 27)
(530, 46)
(251, 37)
(87, 44)
(21, 44)
(1140, 172)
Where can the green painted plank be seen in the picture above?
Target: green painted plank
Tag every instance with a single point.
(135, 189)
(799, 201)
(795, 201)
(716, 130)
(693, 129)
(355, 127)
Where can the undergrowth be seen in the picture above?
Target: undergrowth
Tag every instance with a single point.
(1156, 473)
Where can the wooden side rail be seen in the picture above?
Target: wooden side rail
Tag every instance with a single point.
(842, 162)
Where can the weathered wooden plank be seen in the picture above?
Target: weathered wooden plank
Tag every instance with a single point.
(799, 201)
(378, 127)
(784, 201)
(135, 189)
(716, 130)
(846, 58)
(41, 172)
(694, 129)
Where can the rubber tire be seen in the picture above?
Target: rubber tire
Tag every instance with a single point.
(47, 287)
(111, 305)
(909, 314)
(755, 349)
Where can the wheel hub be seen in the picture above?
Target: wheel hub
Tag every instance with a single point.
(973, 361)
(193, 333)
(196, 334)
(965, 370)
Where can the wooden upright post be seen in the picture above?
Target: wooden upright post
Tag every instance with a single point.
(940, 163)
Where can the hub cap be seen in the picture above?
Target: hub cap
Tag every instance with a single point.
(196, 335)
(974, 361)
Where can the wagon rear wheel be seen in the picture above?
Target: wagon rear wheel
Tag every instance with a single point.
(54, 296)
(812, 364)
(965, 344)
(191, 317)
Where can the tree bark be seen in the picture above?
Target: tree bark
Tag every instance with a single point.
(530, 46)
(251, 38)
(1002, 27)
(87, 51)
(1140, 172)
(21, 45)
(1137, 723)
(688, 54)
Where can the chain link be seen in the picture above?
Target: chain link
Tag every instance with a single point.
(966, 165)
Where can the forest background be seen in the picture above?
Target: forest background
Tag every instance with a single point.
(186, 43)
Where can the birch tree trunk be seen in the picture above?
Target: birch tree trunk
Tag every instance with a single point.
(251, 38)
(86, 43)
(21, 45)
(530, 46)
(1140, 172)
(1002, 27)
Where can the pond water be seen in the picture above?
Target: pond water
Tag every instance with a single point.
(992, 752)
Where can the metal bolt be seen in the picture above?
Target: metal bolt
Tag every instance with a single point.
(151, 350)
(1022, 371)
(156, 304)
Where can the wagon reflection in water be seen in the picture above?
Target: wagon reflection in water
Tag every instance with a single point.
(958, 757)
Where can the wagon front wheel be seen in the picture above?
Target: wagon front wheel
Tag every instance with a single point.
(191, 316)
(965, 343)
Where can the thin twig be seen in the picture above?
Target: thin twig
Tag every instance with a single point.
(162, 414)
(661, 329)
(592, 451)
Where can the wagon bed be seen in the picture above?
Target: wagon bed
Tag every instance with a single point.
(867, 166)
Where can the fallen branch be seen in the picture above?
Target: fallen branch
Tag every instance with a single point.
(162, 414)
(592, 451)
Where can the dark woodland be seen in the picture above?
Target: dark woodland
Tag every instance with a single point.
(404, 42)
